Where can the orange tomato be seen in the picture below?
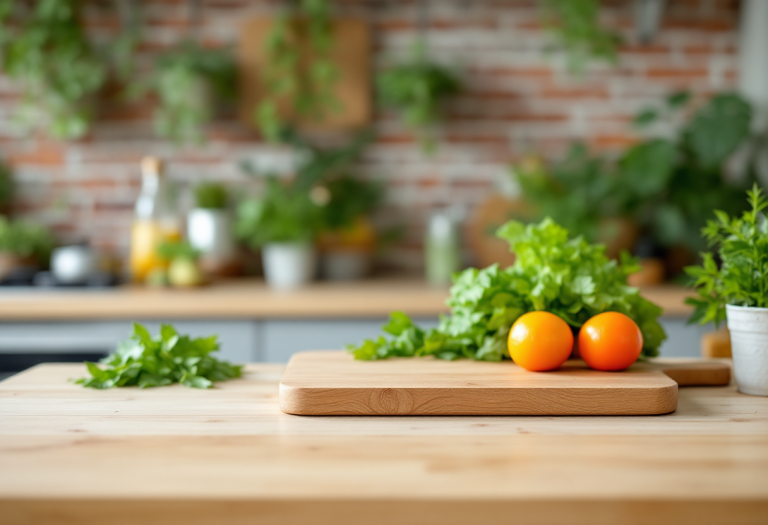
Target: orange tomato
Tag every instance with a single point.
(540, 341)
(610, 341)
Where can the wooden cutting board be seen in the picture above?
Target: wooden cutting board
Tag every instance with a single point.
(333, 383)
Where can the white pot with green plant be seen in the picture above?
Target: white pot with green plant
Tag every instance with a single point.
(737, 289)
(209, 228)
(283, 223)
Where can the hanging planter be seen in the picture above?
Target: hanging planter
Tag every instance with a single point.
(305, 69)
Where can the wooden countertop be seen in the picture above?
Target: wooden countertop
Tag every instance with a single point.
(228, 455)
(252, 299)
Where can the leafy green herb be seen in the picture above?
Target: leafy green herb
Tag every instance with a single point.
(47, 54)
(147, 361)
(553, 272)
(417, 90)
(25, 239)
(742, 276)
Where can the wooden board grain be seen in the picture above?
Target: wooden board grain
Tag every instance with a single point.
(174, 455)
(333, 383)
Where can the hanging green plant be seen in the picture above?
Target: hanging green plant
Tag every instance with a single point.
(45, 51)
(576, 29)
(190, 82)
(305, 84)
(418, 90)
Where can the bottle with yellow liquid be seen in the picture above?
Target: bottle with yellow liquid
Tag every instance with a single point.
(155, 221)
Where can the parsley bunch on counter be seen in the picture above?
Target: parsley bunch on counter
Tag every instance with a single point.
(147, 361)
(568, 277)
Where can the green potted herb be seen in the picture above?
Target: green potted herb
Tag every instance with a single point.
(283, 222)
(736, 289)
(23, 245)
(209, 229)
(417, 90)
(347, 239)
(45, 51)
(191, 82)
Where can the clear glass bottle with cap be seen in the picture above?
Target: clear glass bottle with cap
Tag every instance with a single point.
(442, 247)
(155, 220)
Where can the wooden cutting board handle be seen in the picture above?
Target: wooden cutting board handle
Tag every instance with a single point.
(691, 372)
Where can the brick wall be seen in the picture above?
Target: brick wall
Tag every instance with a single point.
(517, 100)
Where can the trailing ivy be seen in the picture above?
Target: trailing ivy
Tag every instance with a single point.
(307, 89)
(45, 51)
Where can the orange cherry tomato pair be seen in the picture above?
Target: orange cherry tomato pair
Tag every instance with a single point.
(540, 341)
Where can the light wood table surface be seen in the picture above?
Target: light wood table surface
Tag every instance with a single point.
(228, 455)
(251, 298)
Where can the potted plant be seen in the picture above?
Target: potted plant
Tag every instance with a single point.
(209, 229)
(24, 247)
(283, 222)
(672, 184)
(736, 289)
(347, 239)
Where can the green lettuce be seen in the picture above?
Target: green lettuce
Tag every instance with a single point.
(553, 272)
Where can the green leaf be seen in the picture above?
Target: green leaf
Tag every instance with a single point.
(718, 129)
(145, 362)
(647, 167)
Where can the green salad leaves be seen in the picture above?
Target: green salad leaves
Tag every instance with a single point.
(147, 361)
(568, 277)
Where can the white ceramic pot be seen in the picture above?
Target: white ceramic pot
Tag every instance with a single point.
(749, 345)
(210, 231)
(288, 265)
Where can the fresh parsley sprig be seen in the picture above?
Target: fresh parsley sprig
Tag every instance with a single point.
(147, 361)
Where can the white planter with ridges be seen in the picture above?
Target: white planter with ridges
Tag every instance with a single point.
(288, 265)
(749, 345)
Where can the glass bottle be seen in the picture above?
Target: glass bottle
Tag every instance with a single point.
(155, 220)
(442, 248)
